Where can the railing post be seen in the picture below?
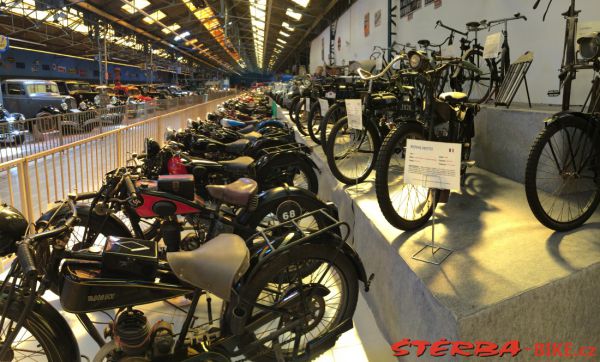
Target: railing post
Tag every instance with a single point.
(120, 147)
(25, 188)
(160, 129)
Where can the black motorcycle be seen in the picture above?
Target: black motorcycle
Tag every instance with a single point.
(289, 298)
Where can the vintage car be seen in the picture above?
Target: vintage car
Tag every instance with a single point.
(31, 97)
(81, 91)
(13, 128)
(137, 103)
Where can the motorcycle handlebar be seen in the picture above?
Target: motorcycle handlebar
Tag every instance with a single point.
(25, 255)
(130, 187)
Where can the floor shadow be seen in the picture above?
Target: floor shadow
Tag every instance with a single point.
(554, 241)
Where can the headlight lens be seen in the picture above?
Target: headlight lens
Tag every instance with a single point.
(97, 100)
(113, 100)
(64, 106)
(415, 61)
(83, 106)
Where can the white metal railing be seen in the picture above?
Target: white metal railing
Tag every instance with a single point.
(31, 182)
(28, 137)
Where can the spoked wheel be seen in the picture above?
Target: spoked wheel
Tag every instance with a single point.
(300, 174)
(562, 178)
(36, 341)
(405, 206)
(477, 86)
(300, 116)
(314, 122)
(351, 152)
(311, 304)
(336, 112)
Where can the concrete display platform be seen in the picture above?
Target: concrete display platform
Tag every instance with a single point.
(509, 278)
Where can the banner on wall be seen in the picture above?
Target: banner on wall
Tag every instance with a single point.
(367, 24)
(61, 69)
(4, 43)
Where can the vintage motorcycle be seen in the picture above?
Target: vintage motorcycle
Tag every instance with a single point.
(286, 299)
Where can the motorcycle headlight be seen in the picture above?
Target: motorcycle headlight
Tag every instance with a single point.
(64, 106)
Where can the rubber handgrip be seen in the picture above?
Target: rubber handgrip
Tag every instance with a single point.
(26, 260)
(130, 187)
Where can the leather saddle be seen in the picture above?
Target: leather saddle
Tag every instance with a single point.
(454, 98)
(237, 147)
(238, 165)
(238, 193)
(215, 266)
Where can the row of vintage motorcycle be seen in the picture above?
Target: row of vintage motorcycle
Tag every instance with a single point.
(225, 207)
(421, 95)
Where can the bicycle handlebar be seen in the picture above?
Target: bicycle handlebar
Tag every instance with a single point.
(365, 75)
(439, 23)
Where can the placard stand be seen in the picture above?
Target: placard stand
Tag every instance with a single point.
(433, 258)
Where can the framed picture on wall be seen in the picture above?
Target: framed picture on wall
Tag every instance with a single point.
(367, 24)
(408, 6)
(377, 18)
(437, 3)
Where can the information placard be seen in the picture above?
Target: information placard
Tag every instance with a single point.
(433, 164)
(354, 112)
(493, 46)
(324, 106)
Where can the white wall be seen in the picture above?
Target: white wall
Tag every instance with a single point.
(544, 39)
(350, 28)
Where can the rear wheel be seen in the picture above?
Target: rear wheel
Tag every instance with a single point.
(405, 206)
(314, 302)
(477, 86)
(336, 112)
(351, 152)
(313, 122)
(562, 177)
(300, 116)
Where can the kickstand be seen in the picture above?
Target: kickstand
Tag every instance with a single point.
(433, 258)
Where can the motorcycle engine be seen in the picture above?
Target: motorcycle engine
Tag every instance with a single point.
(136, 341)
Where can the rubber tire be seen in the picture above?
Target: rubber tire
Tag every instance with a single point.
(468, 86)
(293, 103)
(327, 119)
(311, 176)
(372, 131)
(531, 171)
(381, 179)
(251, 288)
(315, 109)
(297, 117)
(39, 327)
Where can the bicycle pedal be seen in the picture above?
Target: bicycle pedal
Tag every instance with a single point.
(469, 164)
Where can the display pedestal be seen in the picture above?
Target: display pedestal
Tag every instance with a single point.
(510, 278)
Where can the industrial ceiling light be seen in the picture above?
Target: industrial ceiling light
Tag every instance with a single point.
(282, 41)
(287, 26)
(292, 14)
(183, 35)
(284, 33)
(302, 3)
(154, 17)
(171, 28)
(137, 4)
(257, 16)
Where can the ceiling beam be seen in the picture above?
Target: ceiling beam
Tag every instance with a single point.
(266, 35)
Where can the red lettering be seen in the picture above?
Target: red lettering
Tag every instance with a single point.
(540, 350)
(568, 349)
(439, 348)
(456, 349)
(398, 350)
(485, 349)
(592, 352)
(421, 347)
(556, 350)
(511, 347)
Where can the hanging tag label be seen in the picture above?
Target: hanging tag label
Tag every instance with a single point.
(433, 165)
(307, 104)
(354, 112)
(493, 46)
(324, 106)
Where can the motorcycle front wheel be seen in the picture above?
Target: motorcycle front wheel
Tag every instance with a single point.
(404, 206)
(351, 153)
(325, 298)
(562, 176)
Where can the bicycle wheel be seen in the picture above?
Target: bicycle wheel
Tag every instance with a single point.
(478, 85)
(351, 152)
(562, 177)
(324, 298)
(300, 116)
(404, 206)
(313, 122)
(332, 116)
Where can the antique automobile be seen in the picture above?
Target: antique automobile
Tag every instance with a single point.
(12, 128)
(32, 97)
(81, 91)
